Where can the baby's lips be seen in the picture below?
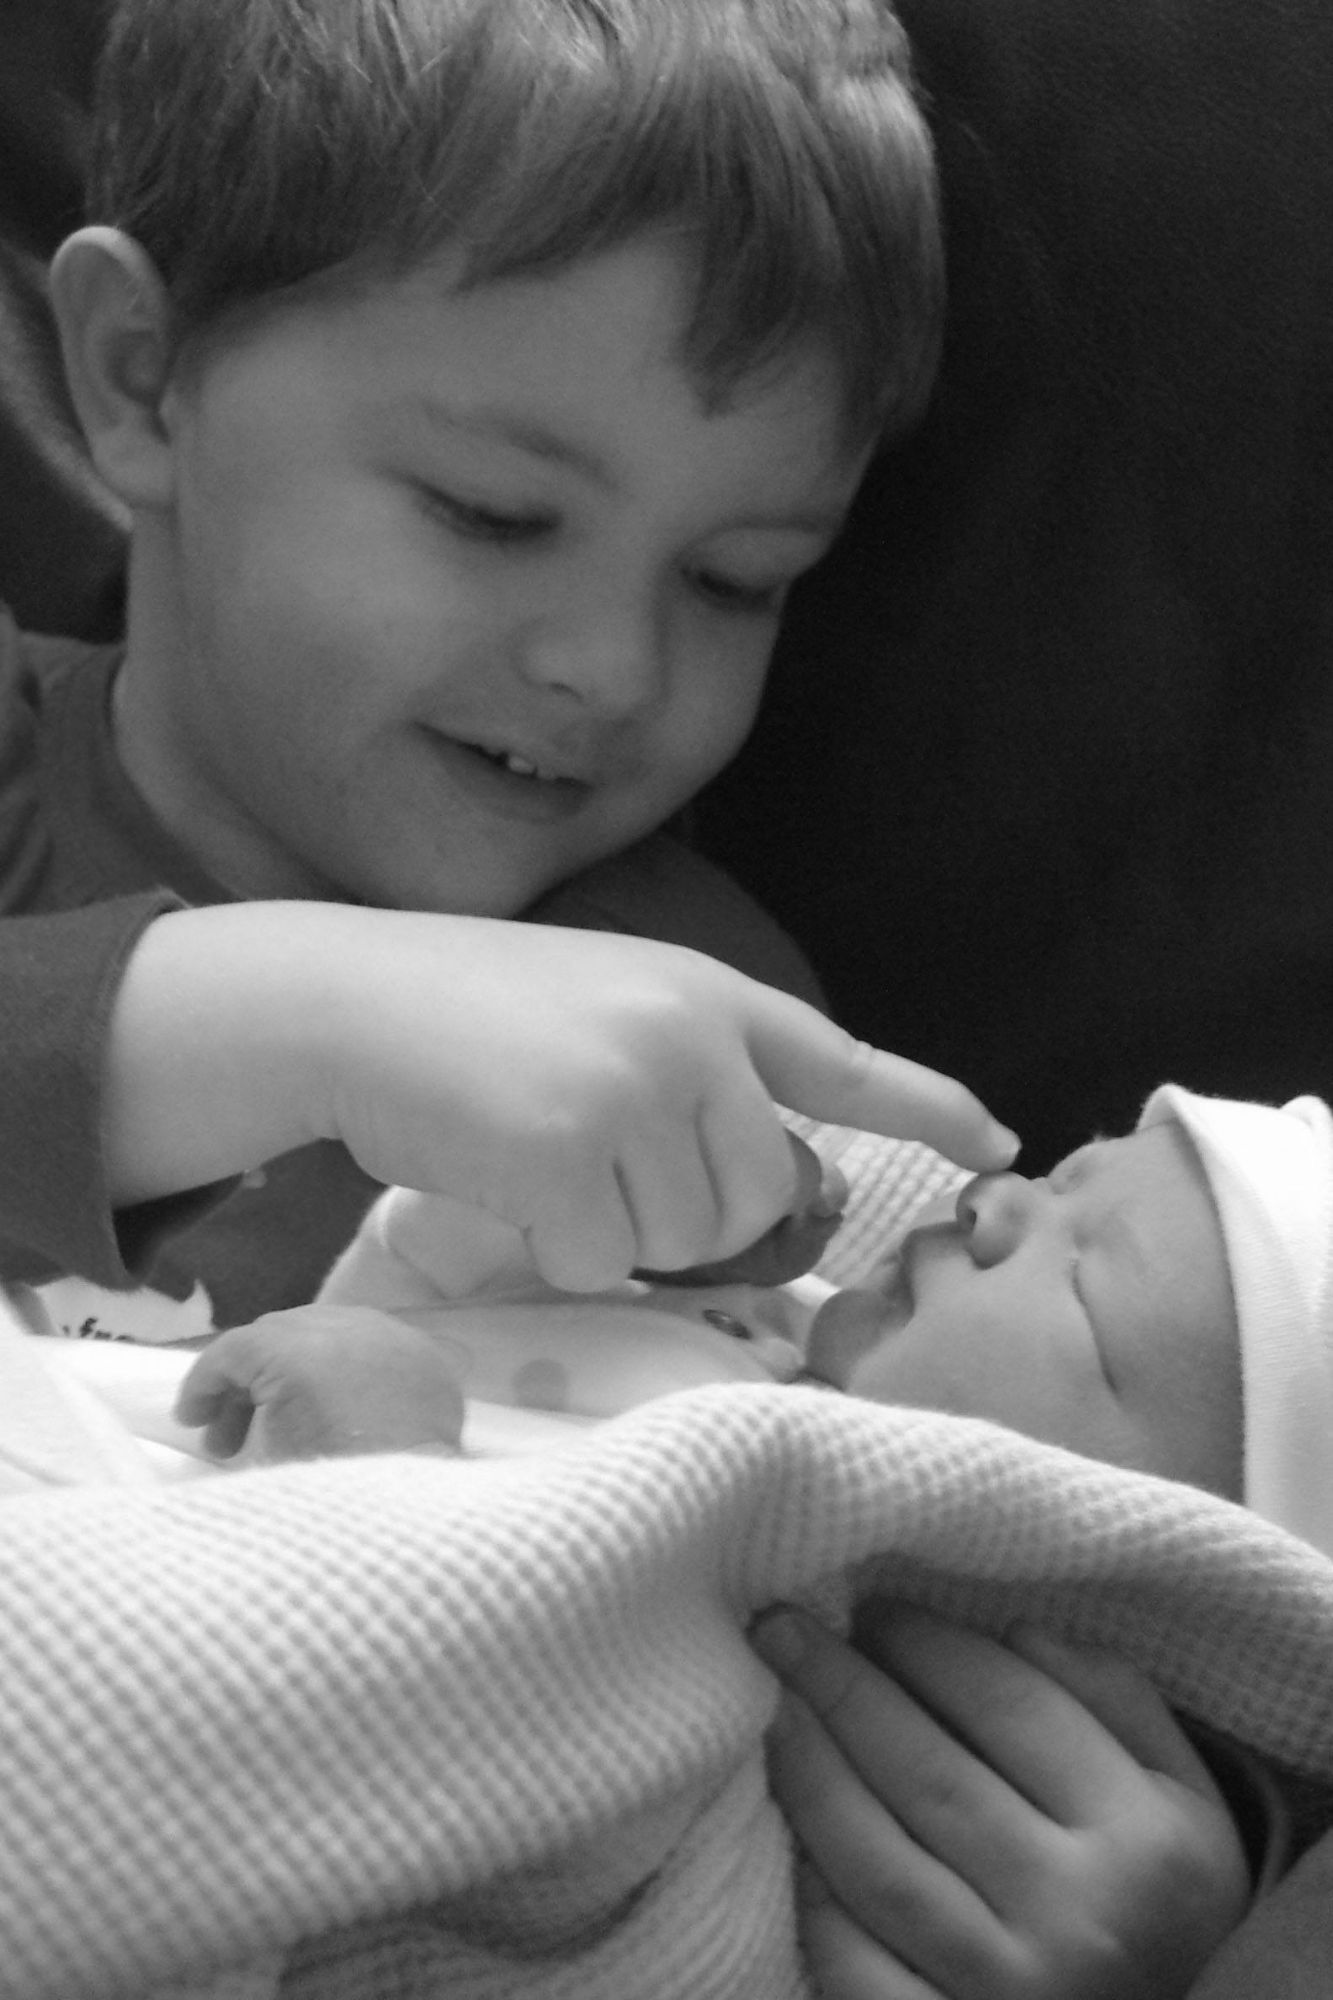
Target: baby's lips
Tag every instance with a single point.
(793, 1246)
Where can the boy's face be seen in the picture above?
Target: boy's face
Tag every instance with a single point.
(456, 593)
(1091, 1308)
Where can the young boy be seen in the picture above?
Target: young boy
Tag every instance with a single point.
(475, 379)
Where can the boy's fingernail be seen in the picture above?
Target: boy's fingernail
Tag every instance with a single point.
(833, 1194)
(779, 1638)
(1008, 1142)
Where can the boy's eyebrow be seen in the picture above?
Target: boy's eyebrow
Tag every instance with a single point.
(527, 435)
(510, 429)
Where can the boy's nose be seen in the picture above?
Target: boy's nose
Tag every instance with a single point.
(994, 1212)
(609, 656)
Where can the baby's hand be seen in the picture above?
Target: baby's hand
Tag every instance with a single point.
(986, 1821)
(320, 1382)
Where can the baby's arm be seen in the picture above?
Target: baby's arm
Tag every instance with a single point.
(986, 1821)
(323, 1382)
(611, 1097)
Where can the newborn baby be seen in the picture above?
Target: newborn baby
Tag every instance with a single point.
(1162, 1301)
(1159, 1300)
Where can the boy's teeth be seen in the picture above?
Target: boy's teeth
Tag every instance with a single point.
(509, 760)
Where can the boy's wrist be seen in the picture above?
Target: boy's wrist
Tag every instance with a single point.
(212, 1048)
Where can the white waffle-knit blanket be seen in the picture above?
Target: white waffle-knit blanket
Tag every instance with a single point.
(406, 1726)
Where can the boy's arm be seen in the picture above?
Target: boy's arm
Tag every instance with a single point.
(987, 1821)
(59, 976)
(610, 1096)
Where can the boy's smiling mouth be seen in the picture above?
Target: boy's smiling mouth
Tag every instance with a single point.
(507, 779)
(520, 766)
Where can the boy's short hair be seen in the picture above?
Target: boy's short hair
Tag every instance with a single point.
(251, 144)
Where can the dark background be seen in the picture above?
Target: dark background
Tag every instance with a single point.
(1045, 785)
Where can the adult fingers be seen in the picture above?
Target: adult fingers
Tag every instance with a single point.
(1030, 1725)
(949, 1799)
(909, 1903)
(843, 1960)
(1123, 1700)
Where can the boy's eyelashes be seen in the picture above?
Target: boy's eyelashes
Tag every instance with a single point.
(484, 524)
(729, 593)
(478, 523)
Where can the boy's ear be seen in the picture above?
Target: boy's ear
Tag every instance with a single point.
(115, 336)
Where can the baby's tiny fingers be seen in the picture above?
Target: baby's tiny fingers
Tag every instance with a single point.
(206, 1386)
(225, 1417)
(214, 1397)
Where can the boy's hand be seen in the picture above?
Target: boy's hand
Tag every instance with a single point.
(322, 1382)
(792, 1246)
(986, 1821)
(612, 1097)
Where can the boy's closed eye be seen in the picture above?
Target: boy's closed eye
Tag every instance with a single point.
(730, 593)
(479, 523)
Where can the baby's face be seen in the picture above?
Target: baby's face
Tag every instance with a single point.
(1091, 1308)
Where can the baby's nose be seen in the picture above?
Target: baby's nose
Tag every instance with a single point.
(994, 1212)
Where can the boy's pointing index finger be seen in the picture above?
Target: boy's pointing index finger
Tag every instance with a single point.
(811, 1065)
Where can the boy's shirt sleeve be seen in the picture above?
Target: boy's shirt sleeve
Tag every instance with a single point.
(58, 979)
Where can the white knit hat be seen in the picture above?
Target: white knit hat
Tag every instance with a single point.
(1271, 1176)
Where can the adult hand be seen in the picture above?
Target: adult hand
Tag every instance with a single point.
(988, 1821)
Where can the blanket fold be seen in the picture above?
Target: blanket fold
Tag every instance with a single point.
(406, 1726)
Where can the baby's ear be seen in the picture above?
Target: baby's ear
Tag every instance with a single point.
(115, 335)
